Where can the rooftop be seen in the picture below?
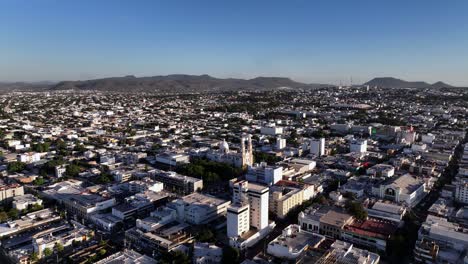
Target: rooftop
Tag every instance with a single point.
(127, 257)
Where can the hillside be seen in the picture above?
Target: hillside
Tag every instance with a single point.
(180, 83)
(390, 82)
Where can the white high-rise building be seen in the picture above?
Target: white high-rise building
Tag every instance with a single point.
(257, 198)
(357, 145)
(238, 219)
(317, 147)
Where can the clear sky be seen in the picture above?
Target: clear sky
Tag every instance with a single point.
(310, 40)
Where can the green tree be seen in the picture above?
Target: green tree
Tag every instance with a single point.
(230, 255)
(187, 143)
(205, 235)
(356, 209)
(80, 148)
(36, 207)
(180, 258)
(39, 181)
(72, 170)
(41, 147)
(59, 247)
(102, 243)
(34, 257)
(3, 216)
(13, 213)
(61, 145)
(102, 252)
(47, 252)
(16, 166)
(104, 178)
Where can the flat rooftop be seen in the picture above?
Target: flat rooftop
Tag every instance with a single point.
(335, 218)
(127, 257)
(203, 199)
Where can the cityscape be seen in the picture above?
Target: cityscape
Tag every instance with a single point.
(241, 138)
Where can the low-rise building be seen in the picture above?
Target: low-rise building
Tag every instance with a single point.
(24, 201)
(357, 145)
(381, 170)
(387, 211)
(343, 252)
(173, 159)
(205, 253)
(324, 220)
(64, 235)
(450, 238)
(371, 233)
(8, 191)
(197, 208)
(175, 182)
(293, 242)
(29, 221)
(127, 256)
(262, 173)
(406, 189)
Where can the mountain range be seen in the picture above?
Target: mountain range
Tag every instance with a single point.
(182, 83)
(390, 82)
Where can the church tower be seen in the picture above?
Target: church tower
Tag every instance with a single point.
(247, 154)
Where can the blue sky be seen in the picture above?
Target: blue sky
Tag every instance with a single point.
(311, 41)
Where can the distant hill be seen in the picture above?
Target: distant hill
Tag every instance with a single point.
(25, 86)
(390, 82)
(441, 85)
(180, 83)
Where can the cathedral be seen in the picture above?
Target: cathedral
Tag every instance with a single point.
(236, 159)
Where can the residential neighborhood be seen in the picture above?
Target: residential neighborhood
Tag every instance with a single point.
(342, 174)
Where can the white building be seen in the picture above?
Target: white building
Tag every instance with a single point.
(173, 159)
(24, 201)
(262, 173)
(387, 211)
(271, 130)
(258, 201)
(60, 170)
(450, 239)
(127, 256)
(29, 157)
(405, 189)
(145, 184)
(197, 208)
(317, 147)
(461, 190)
(280, 143)
(247, 219)
(238, 219)
(428, 138)
(293, 242)
(359, 146)
(418, 147)
(381, 170)
(343, 252)
(122, 176)
(204, 253)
